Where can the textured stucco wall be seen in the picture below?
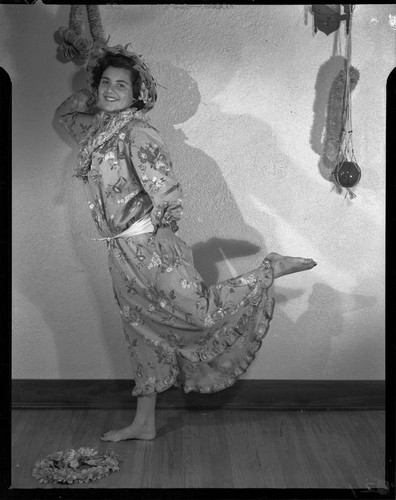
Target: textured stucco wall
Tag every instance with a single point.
(243, 115)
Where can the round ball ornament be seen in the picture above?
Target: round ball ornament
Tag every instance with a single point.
(347, 175)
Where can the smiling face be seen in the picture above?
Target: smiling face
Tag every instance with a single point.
(115, 91)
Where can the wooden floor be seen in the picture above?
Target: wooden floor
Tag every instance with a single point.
(214, 449)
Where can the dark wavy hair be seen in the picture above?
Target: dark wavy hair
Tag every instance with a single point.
(119, 61)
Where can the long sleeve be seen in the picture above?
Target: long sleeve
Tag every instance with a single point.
(76, 113)
(152, 164)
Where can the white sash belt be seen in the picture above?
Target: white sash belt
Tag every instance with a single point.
(142, 226)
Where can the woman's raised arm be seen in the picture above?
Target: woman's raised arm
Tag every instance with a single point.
(76, 113)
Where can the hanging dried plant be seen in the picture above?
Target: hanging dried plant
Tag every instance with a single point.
(95, 24)
(76, 18)
(335, 116)
(74, 45)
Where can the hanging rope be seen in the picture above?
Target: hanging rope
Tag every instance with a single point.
(74, 45)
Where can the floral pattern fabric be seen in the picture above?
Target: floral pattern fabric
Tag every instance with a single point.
(179, 331)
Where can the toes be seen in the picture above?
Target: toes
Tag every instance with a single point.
(112, 439)
(109, 436)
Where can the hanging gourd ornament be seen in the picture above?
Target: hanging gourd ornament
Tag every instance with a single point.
(347, 174)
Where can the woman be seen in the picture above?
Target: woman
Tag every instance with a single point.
(179, 331)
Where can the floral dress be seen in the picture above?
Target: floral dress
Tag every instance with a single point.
(178, 330)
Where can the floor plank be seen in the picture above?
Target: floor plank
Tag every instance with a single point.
(213, 448)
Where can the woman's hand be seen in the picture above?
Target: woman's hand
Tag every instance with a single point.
(166, 242)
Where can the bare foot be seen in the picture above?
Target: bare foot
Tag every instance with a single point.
(133, 431)
(287, 265)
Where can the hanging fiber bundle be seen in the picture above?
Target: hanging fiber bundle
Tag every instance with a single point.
(76, 18)
(74, 45)
(336, 117)
(95, 24)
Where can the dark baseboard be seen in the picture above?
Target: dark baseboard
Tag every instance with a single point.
(243, 395)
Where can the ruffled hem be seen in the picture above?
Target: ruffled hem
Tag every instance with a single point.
(263, 306)
(227, 336)
(232, 376)
(229, 378)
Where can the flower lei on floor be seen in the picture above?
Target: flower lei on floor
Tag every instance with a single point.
(75, 466)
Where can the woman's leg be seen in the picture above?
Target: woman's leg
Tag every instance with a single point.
(143, 425)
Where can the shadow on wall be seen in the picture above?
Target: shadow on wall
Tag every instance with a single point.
(209, 206)
(326, 75)
(312, 355)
